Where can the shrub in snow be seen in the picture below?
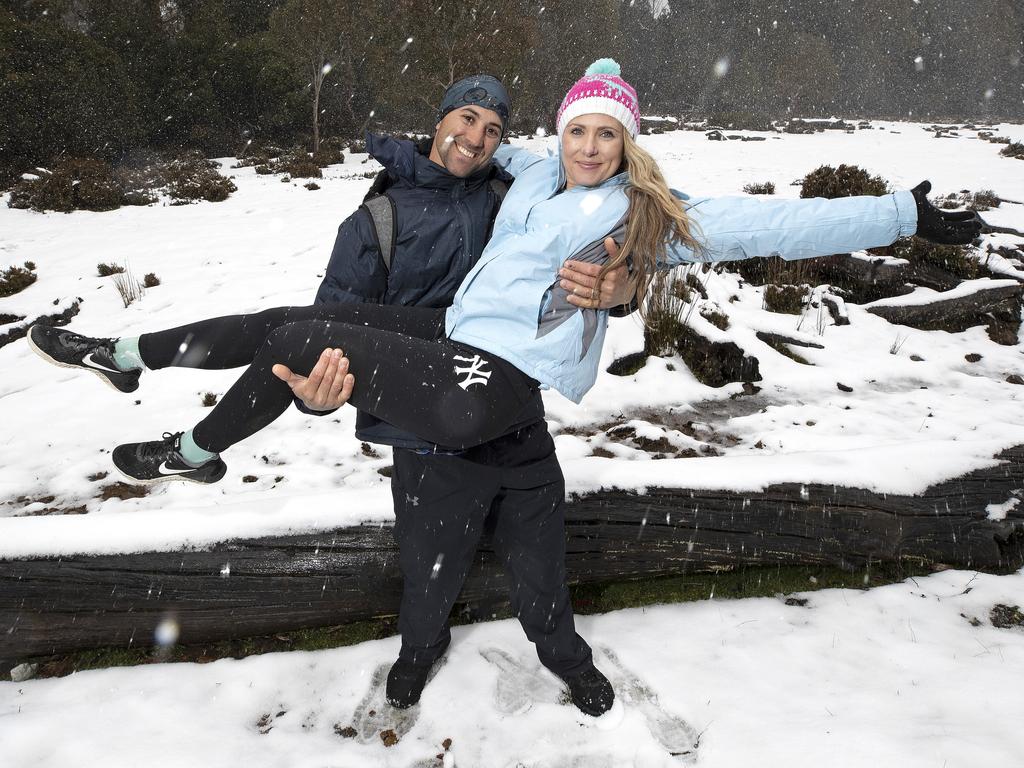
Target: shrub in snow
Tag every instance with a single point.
(252, 155)
(330, 152)
(192, 177)
(666, 313)
(16, 279)
(800, 126)
(74, 183)
(984, 199)
(844, 181)
(298, 163)
(141, 180)
(788, 299)
(777, 271)
(718, 319)
(740, 121)
(90, 184)
(626, 366)
(763, 188)
(1013, 149)
(957, 260)
(324, 157)
(106, 270)
(150, 280)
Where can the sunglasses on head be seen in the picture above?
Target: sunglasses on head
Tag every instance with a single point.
(479, 96)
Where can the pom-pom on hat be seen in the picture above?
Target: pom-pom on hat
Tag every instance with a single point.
(603, 91)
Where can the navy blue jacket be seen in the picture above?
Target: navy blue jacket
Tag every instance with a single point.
(442, 225)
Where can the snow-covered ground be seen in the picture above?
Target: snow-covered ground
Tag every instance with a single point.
(906, 425)
(895, 675)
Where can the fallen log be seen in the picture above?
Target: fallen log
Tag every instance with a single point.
(262, 586)
(836, 307)
(872, 278)
(57, 318)
(958, 313)
(989, 229)
(771, 338)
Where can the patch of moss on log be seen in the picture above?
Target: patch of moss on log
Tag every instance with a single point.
(736, 584)
(587, 599)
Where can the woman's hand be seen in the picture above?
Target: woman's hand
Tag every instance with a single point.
(328, 386)
(586, 291)
(943, 227)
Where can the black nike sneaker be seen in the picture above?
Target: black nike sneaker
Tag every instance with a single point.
(161, 460)
(72, 350)
(590, 691)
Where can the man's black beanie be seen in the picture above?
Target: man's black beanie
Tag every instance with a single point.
(479, 90)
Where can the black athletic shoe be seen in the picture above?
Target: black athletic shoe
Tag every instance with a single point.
(590, 691)
(405, 683)
(407, 680)
(160, 460)
(72, 350)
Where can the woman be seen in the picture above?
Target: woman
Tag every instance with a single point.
(462, 376)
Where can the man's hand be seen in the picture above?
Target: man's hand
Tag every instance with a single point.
(943, 227)
(586, 291)
(328, 386)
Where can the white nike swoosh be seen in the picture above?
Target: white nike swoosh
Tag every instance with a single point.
(163, 469)
(87, 360)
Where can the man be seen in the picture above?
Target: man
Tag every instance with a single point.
(444, 196)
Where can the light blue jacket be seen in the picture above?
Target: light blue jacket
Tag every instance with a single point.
(510, 303)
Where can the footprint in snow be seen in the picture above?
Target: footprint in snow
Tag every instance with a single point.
(519, 685)
(674, 734)
(376, 721)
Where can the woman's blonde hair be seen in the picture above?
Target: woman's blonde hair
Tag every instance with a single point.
(656, 218)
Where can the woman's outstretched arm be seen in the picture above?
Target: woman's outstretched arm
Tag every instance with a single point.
(734, 228)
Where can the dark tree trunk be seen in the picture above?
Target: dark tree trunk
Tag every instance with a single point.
(252, 587)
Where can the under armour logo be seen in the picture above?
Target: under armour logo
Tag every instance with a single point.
(473, 372)
(412, 500)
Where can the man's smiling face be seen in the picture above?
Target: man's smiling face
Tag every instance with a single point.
(466, 139)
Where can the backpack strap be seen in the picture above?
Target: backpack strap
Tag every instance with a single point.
(383, 214)
(500, 189)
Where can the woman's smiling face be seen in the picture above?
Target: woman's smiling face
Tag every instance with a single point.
(592, 150)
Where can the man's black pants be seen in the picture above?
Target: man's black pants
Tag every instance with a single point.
(511, 488)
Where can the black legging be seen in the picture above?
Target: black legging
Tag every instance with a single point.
(407, 373)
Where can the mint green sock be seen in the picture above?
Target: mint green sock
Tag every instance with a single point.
(127, 355)
(192, 453)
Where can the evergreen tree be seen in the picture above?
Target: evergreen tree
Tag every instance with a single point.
(78, 103)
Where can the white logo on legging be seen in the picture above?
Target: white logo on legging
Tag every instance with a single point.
(473, 372)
